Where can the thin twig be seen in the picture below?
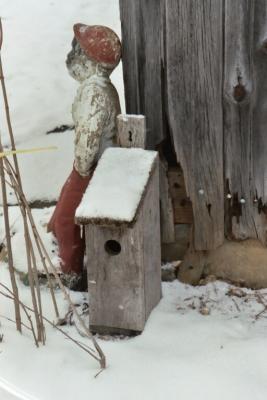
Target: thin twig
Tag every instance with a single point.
(12, 297)
(46, 256)
(1, 34)
(38, 291)
(261, 301)
(23, 200)
(32, 267)
(9, 246)
(53, 269)
(6, 217)
(12, 320)
(31, 281)
(235, 303)
(79, 344)
(8, 119)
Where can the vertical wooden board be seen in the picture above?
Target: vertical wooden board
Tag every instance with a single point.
(152, 246)
(238, 129)
(182, 207)
(194, 60)
(166, 207)
(116, 282)
(130, 27)
(142, 64)
(259, 148)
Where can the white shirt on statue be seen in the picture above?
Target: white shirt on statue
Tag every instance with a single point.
(94, 113)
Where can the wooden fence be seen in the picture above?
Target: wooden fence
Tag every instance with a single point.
(198, 71)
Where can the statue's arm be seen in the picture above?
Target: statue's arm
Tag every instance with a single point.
(88, 132)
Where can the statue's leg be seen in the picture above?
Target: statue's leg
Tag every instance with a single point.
(70, 241)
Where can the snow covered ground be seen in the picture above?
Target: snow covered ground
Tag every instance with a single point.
(181, 354)
(205, 342)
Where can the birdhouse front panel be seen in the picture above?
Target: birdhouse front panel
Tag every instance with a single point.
(115, 278)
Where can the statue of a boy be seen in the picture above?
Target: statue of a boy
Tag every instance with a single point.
(96, 51)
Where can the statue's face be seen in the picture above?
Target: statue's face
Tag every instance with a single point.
(80, 67)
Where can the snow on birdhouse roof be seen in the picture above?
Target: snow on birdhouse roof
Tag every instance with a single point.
(117, 186)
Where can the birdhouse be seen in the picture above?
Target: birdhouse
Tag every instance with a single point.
(120, 212)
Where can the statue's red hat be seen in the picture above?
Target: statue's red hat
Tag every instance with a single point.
(99, 43)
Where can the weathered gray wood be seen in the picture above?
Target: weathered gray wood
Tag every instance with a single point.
(142, 64)
(214, 59)
(115, 283)
(132, 133)
(182, 206)
(125, 287)
(166, 207)
(260, 118)
(194, 60)
(151, 244)
(131, 130)
(238, 108)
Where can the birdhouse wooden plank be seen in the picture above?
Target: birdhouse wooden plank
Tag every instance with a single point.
(120, 211)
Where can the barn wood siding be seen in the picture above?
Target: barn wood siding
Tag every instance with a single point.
(213, 56)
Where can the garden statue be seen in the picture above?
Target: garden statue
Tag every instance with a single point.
(96, 51)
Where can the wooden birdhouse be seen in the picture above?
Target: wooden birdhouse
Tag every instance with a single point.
(120, 212)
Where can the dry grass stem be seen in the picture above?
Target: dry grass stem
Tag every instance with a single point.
(26, 308)
(45, 257)
(12, 297)
(9, 247)
(22, 200)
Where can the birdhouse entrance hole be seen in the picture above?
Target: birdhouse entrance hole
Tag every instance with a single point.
(113, 247)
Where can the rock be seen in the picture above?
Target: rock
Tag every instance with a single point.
(204, 310)
(208, 279)
(243, 263)
(191, 268)
(237, 292)
(169, 271)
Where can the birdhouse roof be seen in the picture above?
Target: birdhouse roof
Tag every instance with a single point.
(117, 187)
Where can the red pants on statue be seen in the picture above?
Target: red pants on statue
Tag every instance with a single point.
(70, 241)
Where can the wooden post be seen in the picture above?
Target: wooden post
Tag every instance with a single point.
(132, 133)
(131, 130)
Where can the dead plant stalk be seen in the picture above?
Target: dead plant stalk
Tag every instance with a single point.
(84, 347)
(9, 247)
(46, 256)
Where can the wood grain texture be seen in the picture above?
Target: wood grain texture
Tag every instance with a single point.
(213, 72)
(238, 67)
(259, 148)
(131, 130)
(183, 213)
(142, 64)
(132, 133)
(125, 287)
(151, 244)
(194, 61)
(166, 207)
(115, 282)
